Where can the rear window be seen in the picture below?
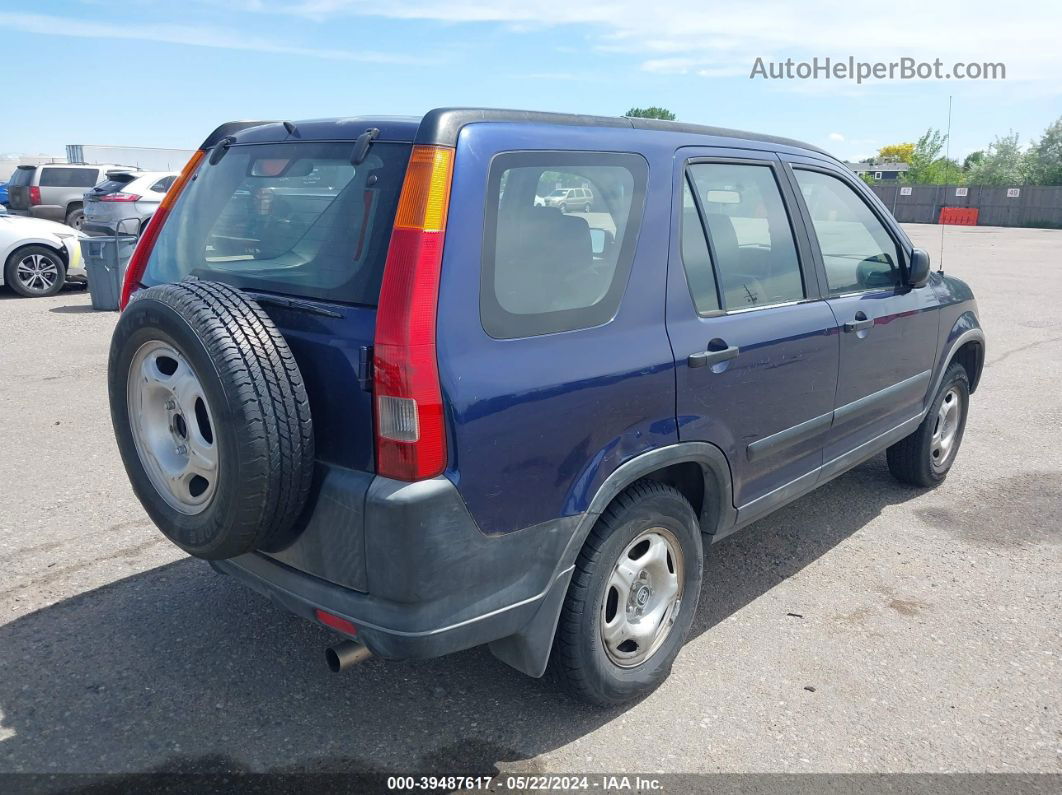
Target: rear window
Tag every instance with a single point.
(22, 176)
(291, 218)
(69, 177)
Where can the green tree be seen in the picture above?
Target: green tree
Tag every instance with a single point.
(1045, 157)
(927, 166)
(651, 113)
(896, 153)
(1003, 164)
(972, 160)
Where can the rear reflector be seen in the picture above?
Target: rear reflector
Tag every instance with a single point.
(410, 430)
(335, 622)
(138, 262)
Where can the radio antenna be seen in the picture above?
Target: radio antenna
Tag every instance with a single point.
(947, 171)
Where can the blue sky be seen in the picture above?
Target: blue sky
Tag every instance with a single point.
(158, 73)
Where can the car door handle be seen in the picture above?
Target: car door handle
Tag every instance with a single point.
(704, 358)
(861, 322)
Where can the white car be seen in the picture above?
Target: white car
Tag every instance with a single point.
(38, 256)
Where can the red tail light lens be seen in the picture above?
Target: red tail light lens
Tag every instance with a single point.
(34, 194)
(134, 272)
(120, 197)
(410, 429)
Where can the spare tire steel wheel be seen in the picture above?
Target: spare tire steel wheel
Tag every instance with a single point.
(211, 418)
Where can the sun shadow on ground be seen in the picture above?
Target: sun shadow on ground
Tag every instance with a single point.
(179, 669)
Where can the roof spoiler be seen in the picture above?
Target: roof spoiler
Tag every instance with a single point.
(229, 128)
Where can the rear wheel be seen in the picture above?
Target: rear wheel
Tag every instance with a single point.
(925, 457)
(75, 217)
(35, 271)
(632, 598)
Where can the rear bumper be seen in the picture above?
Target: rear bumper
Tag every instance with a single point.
(432, 582)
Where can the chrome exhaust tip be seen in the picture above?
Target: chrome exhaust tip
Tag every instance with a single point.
(345, 654)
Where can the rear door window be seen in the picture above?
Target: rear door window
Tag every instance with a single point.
(751, 238)
(292, 218)
(53, 177)
(545, 271)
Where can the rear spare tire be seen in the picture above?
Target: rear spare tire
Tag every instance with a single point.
(211, 418)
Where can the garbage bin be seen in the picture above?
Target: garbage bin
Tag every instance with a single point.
(105, 260)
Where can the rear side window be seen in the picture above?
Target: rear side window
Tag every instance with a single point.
(163, 184)
(545, 270)
(52, 177)
(859, 254)
(292, 218)
(751, 238)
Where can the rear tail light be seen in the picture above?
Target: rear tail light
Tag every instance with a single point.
(410, 431)
(138, 262)
(120, 197)
(34, 194)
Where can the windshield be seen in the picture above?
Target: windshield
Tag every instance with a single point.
(292, 218)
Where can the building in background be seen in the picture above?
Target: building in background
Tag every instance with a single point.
(9, 162)
(145, 158)
(881, 172)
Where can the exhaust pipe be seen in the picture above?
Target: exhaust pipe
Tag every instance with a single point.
(345, 654)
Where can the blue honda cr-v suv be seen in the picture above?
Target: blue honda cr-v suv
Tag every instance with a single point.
(365, 368)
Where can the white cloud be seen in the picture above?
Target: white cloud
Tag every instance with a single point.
(197, 36)
(836, 136)
(717, 38)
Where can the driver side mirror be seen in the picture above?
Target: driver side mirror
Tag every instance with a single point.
(918, 268)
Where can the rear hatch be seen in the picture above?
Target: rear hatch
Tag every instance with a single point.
(18, 197)
(305, 231)
(103, 216)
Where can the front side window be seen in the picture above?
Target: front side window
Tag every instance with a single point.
(549, 268)
(754, 252)
(858, 252)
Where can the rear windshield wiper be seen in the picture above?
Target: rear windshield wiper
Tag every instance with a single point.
(294, 303)
(362, 144)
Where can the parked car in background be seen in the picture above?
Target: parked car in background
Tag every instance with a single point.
(38, 256)
(569, 199)
(125, 197)
(3, 193)
(55, 191)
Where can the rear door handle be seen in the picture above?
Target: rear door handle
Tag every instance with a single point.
(705, 358)
(861, 322)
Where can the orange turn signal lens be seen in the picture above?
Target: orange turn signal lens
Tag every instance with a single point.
(426, 190)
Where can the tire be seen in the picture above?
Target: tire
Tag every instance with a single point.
(921, 458)
(581, 659)
(206, 370)
(75, 217)
(586, 208)
(564, 209)
(35, 271)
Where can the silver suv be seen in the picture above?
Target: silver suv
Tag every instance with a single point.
(55, 191)
(570, 199)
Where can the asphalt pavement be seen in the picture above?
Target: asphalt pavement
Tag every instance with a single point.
(867, 627)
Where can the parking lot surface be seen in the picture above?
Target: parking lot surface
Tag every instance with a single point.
(867, 627)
